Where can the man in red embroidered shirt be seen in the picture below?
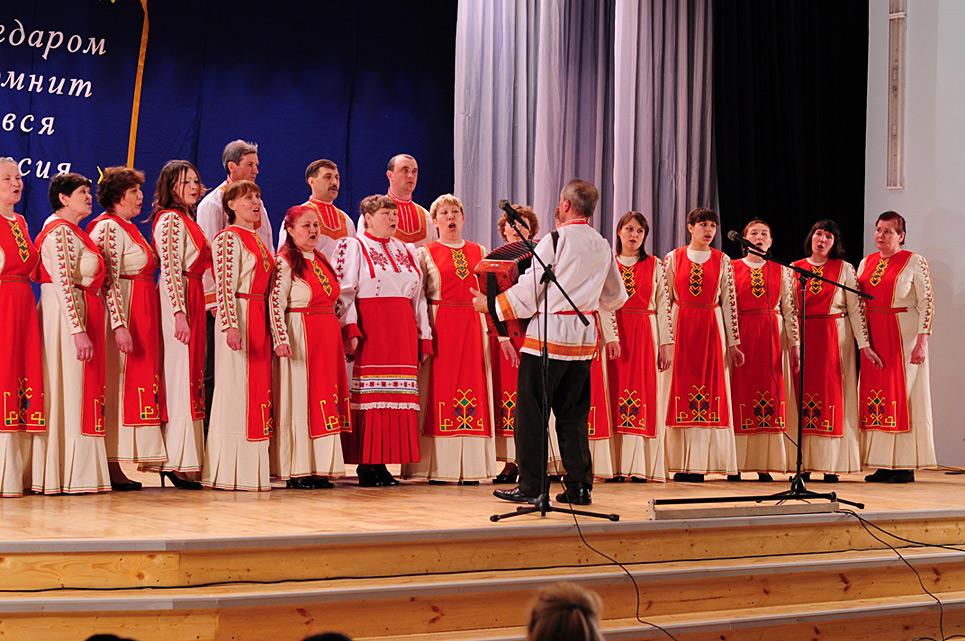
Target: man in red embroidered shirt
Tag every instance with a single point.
(333, 223)
(415, 226)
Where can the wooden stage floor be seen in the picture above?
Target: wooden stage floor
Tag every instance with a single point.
(172, 514)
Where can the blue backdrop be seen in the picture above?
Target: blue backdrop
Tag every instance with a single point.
(355, 82)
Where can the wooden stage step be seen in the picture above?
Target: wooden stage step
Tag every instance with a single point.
(693, 597)
(219, 566)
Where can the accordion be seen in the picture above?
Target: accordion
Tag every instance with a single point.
(496, 273)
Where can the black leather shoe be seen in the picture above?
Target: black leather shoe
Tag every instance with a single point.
(300, 483)
(368, 476)
(734, 477)
(387, 479)
(506, 477)
(764, 477)
(130, 486)
(468, 482)
(514, 495)
(881, 475)
(902, 476)
(637, 479)
(831, 478)
(615, 479)
(576, 494)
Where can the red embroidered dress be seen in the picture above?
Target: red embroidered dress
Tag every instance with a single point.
(644, 324)
(236, 456)
(895, 402)
(135, 396)
(457, 430)
(71, 273)
(834, 321)
(700, 437)
(21, 376)
(382, 304)
(311, 390)
(766, 312)
(184, 257)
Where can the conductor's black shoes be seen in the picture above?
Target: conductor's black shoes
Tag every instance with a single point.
(514, 495)
(575, 494)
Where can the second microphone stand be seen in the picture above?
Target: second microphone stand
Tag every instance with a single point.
(798, 489)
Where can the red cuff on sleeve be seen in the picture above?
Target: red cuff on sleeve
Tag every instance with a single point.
(425, 346)
(351, 331)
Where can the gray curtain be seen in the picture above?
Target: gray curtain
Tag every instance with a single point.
(617, 92)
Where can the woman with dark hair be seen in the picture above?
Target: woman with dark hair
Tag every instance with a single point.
(895, 400)
(765, 311)
(834, 319)
(71, 273)
(506, 364)
(311, 404)
(21, 376)
(565, 612)
(236, 456)
(646, 347)
(184, 254)
(382, 310)
(700, 423)
(134, 405)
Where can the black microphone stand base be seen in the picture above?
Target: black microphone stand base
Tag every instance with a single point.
(544, 506)
(798, 490)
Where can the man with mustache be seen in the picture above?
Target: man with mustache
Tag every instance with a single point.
(333, 223)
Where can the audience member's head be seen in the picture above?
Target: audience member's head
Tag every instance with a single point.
(328, 636)
(565, 612)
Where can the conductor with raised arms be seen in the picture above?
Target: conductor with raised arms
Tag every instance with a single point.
(586, 268)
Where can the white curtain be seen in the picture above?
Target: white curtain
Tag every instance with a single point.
(617, 92)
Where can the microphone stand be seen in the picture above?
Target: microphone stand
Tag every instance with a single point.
(798, 489)
(542, 503)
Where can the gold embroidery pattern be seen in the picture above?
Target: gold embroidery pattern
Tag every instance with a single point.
(700, 407)
(464, 409)
(21, 241)
(265, 261)
(876, 407)
(765, 411)
(879, 271)
(629, 282)
(630, 410)
(757, 282)
(696, 279)
(320, 273)
(461, 264)
(815, 286)
(507, 411)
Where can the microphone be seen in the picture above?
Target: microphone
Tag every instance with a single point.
(511, 214)
(737, 238)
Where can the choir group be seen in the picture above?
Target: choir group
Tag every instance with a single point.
(363, 347)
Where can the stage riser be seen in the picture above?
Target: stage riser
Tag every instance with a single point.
(125, 569)
(247, 625)
(475, 604)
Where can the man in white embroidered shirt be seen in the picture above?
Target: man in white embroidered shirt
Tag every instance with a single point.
(586, 268)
